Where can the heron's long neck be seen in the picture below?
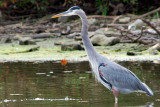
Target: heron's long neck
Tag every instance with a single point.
(86, 41)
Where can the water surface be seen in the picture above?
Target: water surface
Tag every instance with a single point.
(49, 84)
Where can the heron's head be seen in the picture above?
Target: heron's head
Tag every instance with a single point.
(70, 12)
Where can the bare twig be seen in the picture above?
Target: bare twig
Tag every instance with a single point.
(133, 39)
(42, 35)
(115, 19)
(117, 25)
(146, 14)
(140, 34)
(152, 26)
(100, 16)
(149, 13)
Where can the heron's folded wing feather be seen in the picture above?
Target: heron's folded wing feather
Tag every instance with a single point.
(120, 77)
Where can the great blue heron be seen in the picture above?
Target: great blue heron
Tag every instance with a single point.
(113, 76)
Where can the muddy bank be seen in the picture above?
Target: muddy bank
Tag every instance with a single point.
(48, 51)
(118, 38)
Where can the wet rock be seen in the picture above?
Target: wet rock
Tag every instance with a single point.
(6, 40)
(79, 38)
(156, 61)
(101, 39)
(58, 43)
(71, 47)
(107, 31)
(153, 52)
(33, 49)
(136, 24)
(26, 41)
(155, 47)
(100, 31)
(73, 35)
(39, 30)
(155, 21)
(131, 54)
(66, 31)
(151, 31)
(124, 20)
(92, 21)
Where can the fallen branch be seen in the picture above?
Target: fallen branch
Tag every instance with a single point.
(149, 13)
(152, 26)
(100, 16)
(32, 49)
(36, 48)
(42, 35)
(140, 34)
(155, 47)
(115, 19)
(117, 25)
(133, 39)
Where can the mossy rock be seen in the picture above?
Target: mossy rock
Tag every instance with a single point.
(27, 41)
(103, 40)
(71, 47)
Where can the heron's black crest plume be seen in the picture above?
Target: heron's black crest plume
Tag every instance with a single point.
(75, 8)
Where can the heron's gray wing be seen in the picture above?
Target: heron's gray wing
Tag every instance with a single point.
(121, 78)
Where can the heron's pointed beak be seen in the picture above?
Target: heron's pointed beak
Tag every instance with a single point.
(61, 14)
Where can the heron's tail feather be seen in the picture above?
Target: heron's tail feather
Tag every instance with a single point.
(147, 90)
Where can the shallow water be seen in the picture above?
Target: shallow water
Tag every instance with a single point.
(50, 84)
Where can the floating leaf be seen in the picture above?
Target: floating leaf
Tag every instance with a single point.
(63, 62)
(5, 5)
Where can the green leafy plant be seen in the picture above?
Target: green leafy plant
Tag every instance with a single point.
(128, 1)
(70, 3)
(30, 4)
(103, 6)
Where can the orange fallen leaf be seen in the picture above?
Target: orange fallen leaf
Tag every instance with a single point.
(63, 62)
(5, 5)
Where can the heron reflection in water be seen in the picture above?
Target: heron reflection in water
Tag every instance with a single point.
(113, 76)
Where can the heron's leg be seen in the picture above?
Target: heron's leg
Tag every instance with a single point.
(115, 93)
(115, 104)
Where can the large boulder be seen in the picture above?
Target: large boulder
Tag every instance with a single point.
(107, 31)
(124, 20)
(136, 24)
(6, 40)
(101, 39)
(92, 21)
(25, 40)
